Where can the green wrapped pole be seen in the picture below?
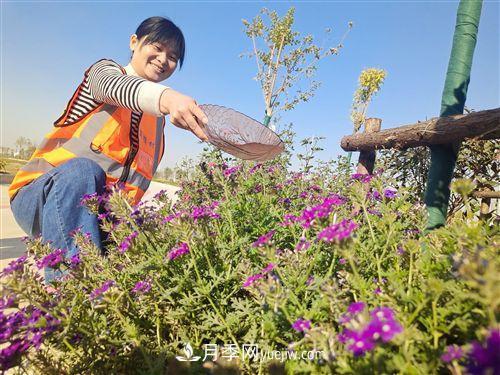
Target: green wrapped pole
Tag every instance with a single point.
(267, 119)
(443, 157)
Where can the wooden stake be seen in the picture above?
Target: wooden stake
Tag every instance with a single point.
(366, 161)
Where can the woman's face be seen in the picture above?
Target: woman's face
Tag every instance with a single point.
(154, 62)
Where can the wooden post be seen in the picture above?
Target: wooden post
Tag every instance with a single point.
(366, 161)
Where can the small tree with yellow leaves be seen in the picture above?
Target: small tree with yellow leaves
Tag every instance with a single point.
(370, 80)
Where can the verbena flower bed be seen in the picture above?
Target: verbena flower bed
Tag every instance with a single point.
(253, 256)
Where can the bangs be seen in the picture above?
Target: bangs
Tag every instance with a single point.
(163, 31)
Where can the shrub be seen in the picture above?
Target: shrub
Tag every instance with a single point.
(251, 254)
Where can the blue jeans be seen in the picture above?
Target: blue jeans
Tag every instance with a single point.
(50, 206)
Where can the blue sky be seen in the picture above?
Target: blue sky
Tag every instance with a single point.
(46, 47)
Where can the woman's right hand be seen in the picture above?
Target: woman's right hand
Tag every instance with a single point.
(184, 112)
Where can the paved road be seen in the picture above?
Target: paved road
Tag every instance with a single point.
(12, 247)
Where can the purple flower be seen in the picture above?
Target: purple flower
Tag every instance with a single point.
(202, 211)
(389, 193)
(230, 171)
(288, 220)
(142, 287)
(364, 178)
(51, 260)
(103, 288)
(102, 216)
(320, 211)
(264, 239)
(255, 168)
(376, 195)
(374, 212)
(452, 353)
(169, 218)
(252, 279)
(181, 249)
(382, 314)
(337, 231)
(356, 308)
(400, 251)
(485, 358)
(342, 261)
(377, 291)
(268, 268)
(127, 242)
(384, 330)
(15, 265)
(75, 261)
(88, 199)
(361, 336)
(309, 280)
(301, 325)
(360, 344)
(303, 244)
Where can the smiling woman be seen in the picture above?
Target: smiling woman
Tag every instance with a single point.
(157, 46)
(110, 134)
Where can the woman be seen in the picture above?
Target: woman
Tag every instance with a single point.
(110, 132)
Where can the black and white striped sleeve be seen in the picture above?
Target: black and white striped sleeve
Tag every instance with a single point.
(107, 83)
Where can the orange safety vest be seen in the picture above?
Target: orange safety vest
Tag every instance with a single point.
(130, 156)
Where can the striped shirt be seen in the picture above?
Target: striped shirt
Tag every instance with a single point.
(106, 82)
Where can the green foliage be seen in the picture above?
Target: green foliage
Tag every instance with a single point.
(443, 287)
(477, 161)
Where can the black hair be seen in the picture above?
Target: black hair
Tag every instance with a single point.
(164, 31)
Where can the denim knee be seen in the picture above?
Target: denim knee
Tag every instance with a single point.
(88, 167)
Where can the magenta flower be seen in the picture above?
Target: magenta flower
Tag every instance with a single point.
(382, 313)
(103, 288)
(230, 171)
(15, 265)
(255, 168)
(75, 260)
(359, 344)
(142, 287)
(361, 336)
(342, 261)
(201, 212)
(269, 268)
(288, 220)
(252, 279)
(264, 239)
(383, 330)
(301, 325)
(338, 231)
(364, 178)
(51, 260)
(356, 308)
(169, 218)
(127, 242)
(303, 244)
(181, 249)
(452, 353)
(320, 211)
(376, 195)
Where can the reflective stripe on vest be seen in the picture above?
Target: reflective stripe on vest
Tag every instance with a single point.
(98, 137)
